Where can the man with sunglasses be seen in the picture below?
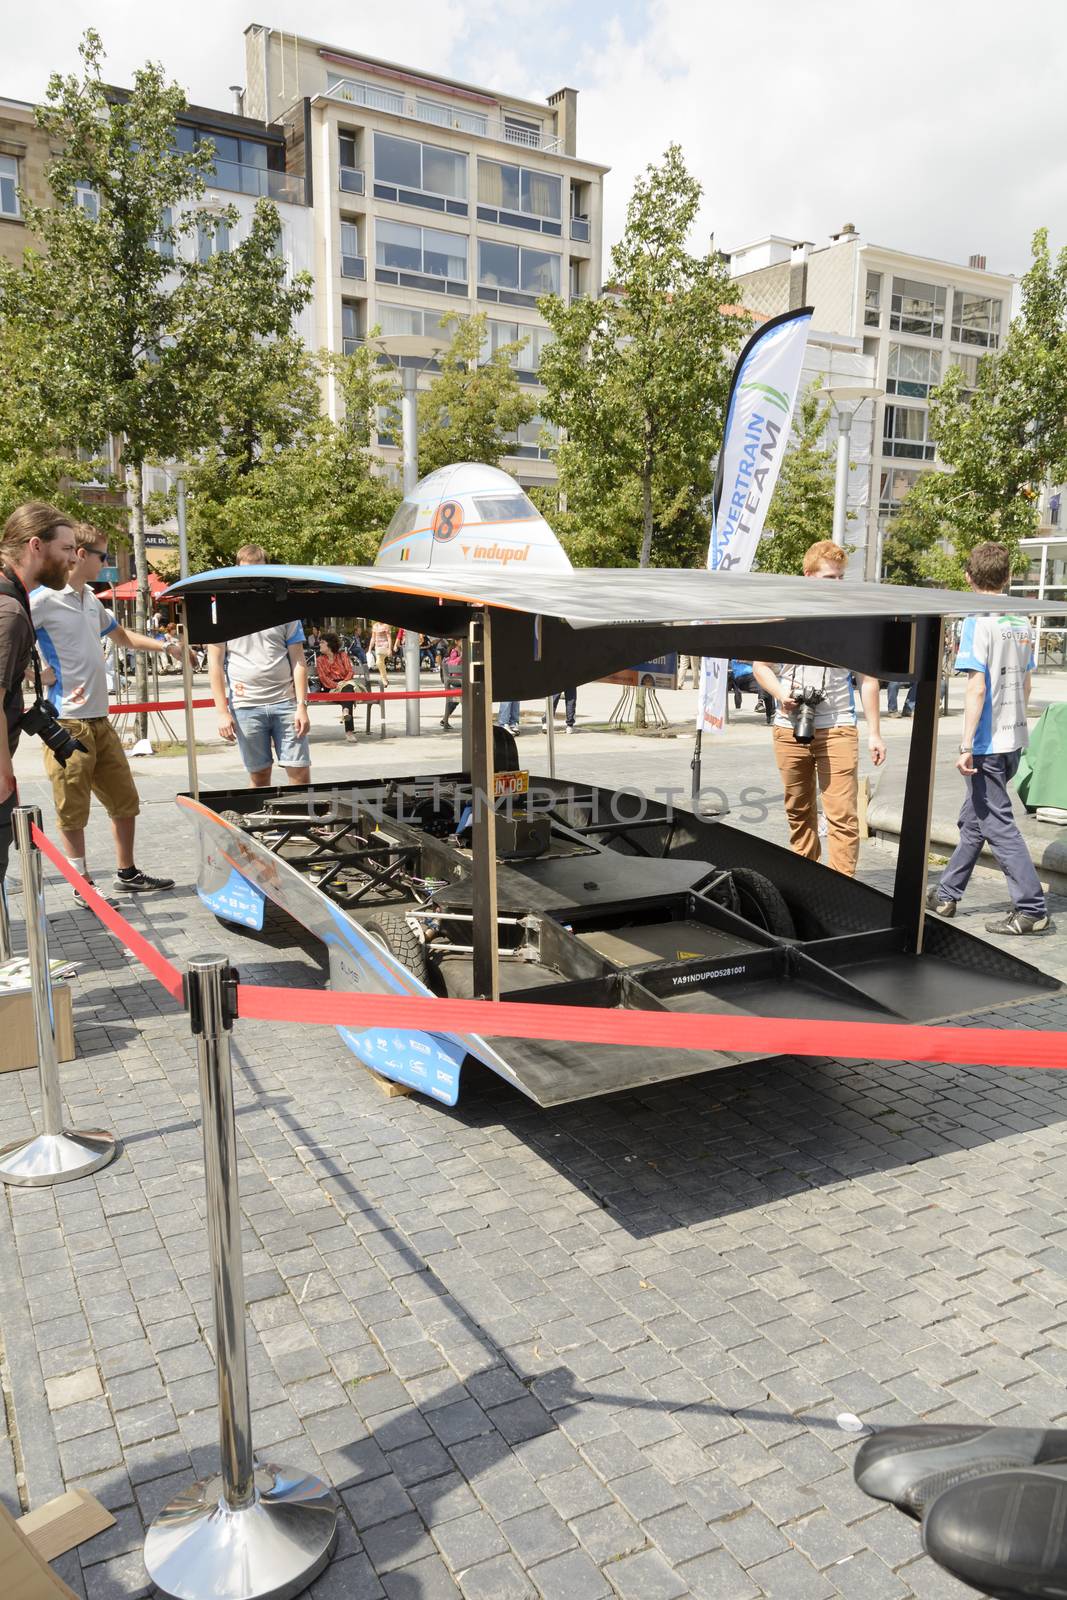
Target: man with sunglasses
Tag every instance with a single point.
(71, 626)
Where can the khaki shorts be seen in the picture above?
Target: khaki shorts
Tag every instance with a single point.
(102, 770)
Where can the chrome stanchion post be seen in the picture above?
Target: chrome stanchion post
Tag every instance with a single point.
(5, 925)
(254, 1532)
(56, 1154)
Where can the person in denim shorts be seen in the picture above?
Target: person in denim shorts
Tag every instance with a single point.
(260, 686)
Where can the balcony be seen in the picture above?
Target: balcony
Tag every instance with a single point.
(351, 180)
(353, 266)
(350, 345)
(580, 229)
(354, 92)
(264, 182)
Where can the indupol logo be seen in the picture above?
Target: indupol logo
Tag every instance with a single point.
(775, 396)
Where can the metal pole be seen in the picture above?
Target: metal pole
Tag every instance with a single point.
(187, 690)
(56, 1154)
(409, 406)
(550, 725)
(844, 424)
(5, 925)
(254, 1531)
(409, 417)
(483, 841)
(183, 542)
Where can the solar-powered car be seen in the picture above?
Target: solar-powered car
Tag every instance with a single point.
(570, 893)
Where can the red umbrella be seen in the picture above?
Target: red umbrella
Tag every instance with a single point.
(128, 590)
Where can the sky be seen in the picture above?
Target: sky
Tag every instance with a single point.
(936, 126)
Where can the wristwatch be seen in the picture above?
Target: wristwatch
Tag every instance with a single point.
(966, 749)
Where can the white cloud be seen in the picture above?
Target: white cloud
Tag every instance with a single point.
(934, 125)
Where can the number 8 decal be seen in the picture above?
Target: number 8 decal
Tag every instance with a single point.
(447, 520)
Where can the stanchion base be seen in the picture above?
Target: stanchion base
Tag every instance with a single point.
(271, 1550)
(56, 1157)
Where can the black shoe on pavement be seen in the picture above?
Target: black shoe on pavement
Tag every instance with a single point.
(943, 908)
(1018, 922)
(138, 882)
(83, 905)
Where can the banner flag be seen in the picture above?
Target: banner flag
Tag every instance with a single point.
(759, 416)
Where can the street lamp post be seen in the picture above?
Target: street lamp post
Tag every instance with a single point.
(418, 347)
(847, 399)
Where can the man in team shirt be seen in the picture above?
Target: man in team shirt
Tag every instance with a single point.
(259, 683)
(997, 654)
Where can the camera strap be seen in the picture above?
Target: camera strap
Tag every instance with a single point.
(11, 584)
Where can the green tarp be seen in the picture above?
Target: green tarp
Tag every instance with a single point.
(1042, 776)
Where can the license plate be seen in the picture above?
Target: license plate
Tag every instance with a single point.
(509, 783)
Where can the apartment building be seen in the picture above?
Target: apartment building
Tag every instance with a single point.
(430, 196)
(916, 317)
(25, 151)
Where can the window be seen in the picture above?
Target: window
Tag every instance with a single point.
(527, 361)
(351, 326)
(917, 308)
(535, 440)
(162, 242)
(872, 304)
(421, 258)
(580, 211)
(245, 166)
(504, 507)
(515, 275)
(9, 179)
(87, 200)
(413, 319)
(212, 237)
(906, 432)
(975, 319)
(521, 130)
(519, 197)
(912, 370)
(575, 279)
(353, 264)
(349, 172)
(968, 365)
(420, 174)
(896, 482)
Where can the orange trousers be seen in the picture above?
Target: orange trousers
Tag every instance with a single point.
(830, 764)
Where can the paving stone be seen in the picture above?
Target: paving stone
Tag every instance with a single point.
(717, 1576)
(467, 1540)
(75, 1386)
(646, 1576)
(499, 1579)
(537, 1535)
(571, 1576)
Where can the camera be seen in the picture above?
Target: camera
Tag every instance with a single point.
(807, 698)
(42, 720)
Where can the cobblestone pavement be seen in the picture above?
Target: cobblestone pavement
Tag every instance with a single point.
(594, 1351)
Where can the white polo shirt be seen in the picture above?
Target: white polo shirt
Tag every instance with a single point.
(70, 627)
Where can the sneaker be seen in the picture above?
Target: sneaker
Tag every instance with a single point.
(569, 728)
(82, 904)
(513, 727)
(350, 738)
(937, 903)
(1017, 922)
(139, 882)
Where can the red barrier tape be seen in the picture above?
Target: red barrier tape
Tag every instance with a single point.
(789, 1036)
(351, 698)
(878, 1041)
(161, 969)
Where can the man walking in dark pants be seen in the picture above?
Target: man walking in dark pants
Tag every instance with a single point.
(997, 654)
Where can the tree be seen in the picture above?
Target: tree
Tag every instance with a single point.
(918, 540)
(802, 509)
(1009, 435)
(314, 498)
(474, 403)
(638, 380)
(131, 334)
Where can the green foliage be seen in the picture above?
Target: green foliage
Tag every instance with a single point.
(309, 494)
(918, 541)
(473, 404)
(124, 331)
(1008, 436)
(638, 380)
(802, 509)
